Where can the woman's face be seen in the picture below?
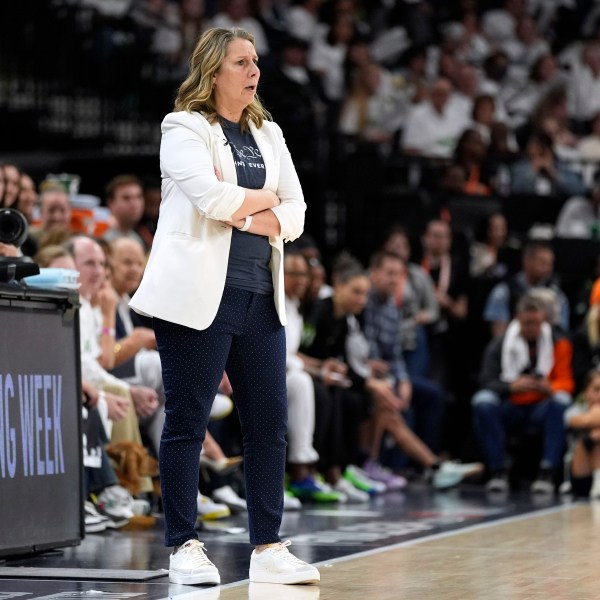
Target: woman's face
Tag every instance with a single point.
(352, 296)
(12, 183)
(236, 81)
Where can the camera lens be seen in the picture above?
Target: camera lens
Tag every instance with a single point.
(13, 227)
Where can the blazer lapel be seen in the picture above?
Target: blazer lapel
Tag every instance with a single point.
(223, 154)
(266, 150)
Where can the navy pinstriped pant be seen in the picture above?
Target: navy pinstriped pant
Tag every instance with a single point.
(247, 340)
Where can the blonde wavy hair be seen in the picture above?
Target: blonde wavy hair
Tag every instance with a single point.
(196, 92)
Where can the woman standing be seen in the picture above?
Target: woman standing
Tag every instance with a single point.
(214, 285)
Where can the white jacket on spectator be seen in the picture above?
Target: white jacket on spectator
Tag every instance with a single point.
(185, 275)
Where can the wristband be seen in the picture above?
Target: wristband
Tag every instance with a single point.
(247, 223)
(108, 331)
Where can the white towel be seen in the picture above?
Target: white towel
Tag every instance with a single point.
(515, 352)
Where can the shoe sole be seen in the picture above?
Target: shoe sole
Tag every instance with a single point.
(259, 576)
(199, 579)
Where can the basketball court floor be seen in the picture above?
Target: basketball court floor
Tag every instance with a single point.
(457, 545)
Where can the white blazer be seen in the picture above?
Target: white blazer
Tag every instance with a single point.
(185, 276)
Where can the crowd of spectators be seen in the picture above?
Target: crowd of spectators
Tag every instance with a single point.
(467, 137)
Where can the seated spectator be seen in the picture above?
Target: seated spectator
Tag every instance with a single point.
(580, 215)
(422, 399)
(541, 172)
(486, 250)
(9, 191)
(136, 359)
(448, 274)
(125, 199)
(373, 110)
(12, 184)
(55, 213)
(470, 153)
(552, 117)
(301, 454)
(432, 128)
(25, 204)
(520, 99)
(582, 421)
(584, 83)
(537, 269)
(483, 115)
(326, 57)
(527, 45)
(416, 301)
(526, 380)
(97, 330)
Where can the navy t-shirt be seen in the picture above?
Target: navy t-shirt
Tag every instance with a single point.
(250, 254)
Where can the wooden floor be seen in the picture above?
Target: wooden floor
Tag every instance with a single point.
(554, 554)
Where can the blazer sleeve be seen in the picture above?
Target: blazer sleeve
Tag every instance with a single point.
(186, 159)
(290, 213)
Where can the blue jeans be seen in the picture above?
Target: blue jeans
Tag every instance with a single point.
(417, 360)
(247, 340)
(493, 417)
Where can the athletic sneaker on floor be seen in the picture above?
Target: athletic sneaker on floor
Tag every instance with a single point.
(116, 502)
(276, 564)
(543, 484)
(311, 490)
(353, 495)
(360, 480)
(449, 473)
(498, 483)
(227, 495)
(209, 510)
(377, 472)
(94, 521)
(190, 565)
(290, 502)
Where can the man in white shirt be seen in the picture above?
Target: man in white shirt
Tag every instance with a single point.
(432, 127)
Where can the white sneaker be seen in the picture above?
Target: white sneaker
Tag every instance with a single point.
(275, 564)
(190, 565)
(498, 484)
(226, 495)
(353, 495)
(449, 473)
(115, 501)
(94, 521)
(290, 502)
(208, 510)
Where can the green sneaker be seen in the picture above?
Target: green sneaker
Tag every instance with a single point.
(312, 491)
(361, 481)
